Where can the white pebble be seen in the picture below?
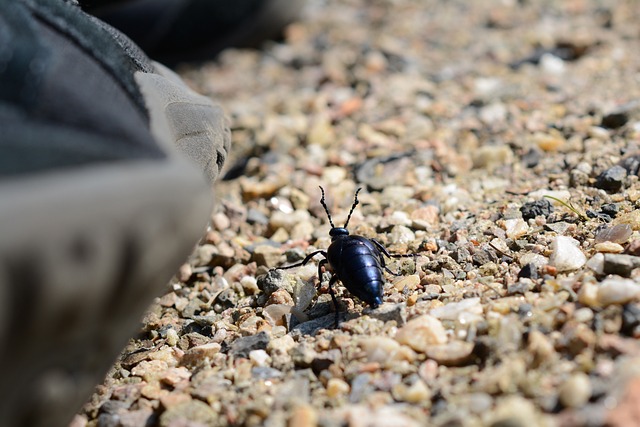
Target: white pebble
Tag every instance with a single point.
(259, 357)
(516, 227)
(566, 255)
(616, 290)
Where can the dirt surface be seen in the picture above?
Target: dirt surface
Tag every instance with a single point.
(493, 139)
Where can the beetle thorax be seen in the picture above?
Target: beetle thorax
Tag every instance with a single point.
(337, 232)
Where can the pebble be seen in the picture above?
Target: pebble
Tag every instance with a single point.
(530, 210)
(337, 387)
(516, 228)
(259, 357)
(616, 290)
(612, 179)
(303, 416)
(575, 391)
(422, 332)
(385, 350)
(390, 312)
(596, 263)
(241, 347)
(454, 353)
(191, 412)
(618, 233)
(267, 255)
(425, 217)
(620, 264)
(566, 255)
(410, 282)
(466, 311)
(608, 247)
(200, 353)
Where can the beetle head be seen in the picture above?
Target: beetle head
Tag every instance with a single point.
(338, 231)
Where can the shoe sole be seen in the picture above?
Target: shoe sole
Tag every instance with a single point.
(81, 256)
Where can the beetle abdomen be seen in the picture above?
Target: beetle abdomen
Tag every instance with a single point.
(356, 262)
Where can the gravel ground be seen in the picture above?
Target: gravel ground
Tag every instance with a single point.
(495, 140)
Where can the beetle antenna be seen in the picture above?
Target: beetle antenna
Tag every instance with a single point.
(326, 209)
(355, 203)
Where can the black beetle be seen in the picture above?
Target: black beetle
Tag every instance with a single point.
(355, 260)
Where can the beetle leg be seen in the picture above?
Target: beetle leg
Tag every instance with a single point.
(304, 261)
(332, 282)
(384, 250)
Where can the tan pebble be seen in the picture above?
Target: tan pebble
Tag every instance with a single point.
(267, 255)
(410, 282)
(454, 353)
(425, 217)
(588, 294)
(175, 375)
(281, 345)
(280, 235)
(184, 272)
(418, 392)
(304, 416)
(150, 370)
(153, 391)
(632, 218)
(173, 399)
(200, 353)
(422, 332)
(549, 142)
(280, 296)
(609, 247)
(220, 221)
(412, 299)
(172, 337)
(575, 391)
(385, 350)
(337, 387)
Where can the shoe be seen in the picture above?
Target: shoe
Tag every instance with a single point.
(173, 31)
(106, 164)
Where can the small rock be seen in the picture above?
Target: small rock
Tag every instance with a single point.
(620, 264)
(626, 412)
(280, 296)
(241, 347)
(422, 332)
(575, 391)
(275, 313)
(385, 350)
(259, 357)
(516, 228)
(619, 233)
(608, 247)
(617, 290)
(631, 218)
(414, 393)
(266, 255)
(566, 255)
(468, 310)
(185, 272)
(388, 312)
(303, 416)
(596, 263)
(529, 271)
(192, 412)
(401, 235)
(197, 354)
(531, 210)
(337, 387)
(454, 353)
(410, 282)
(612, 179)
(425, 217)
